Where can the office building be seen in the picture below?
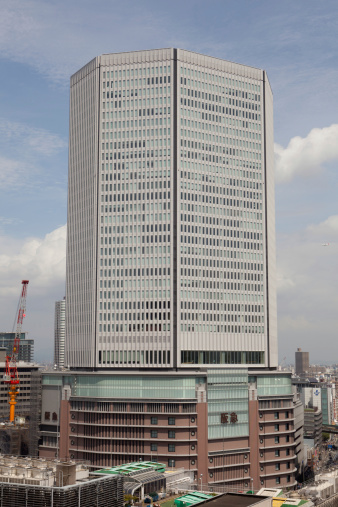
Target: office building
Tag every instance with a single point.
(171, 229)
(59, 333)
(26, 348)
(170, 289)
(301, 362)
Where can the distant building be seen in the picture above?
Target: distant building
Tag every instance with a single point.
(313, 425)
(302, 362)
(26, 349)
(59, 333)
(321, 395)
(23, 406)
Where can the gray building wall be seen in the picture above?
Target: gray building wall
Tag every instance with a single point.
(171, 230)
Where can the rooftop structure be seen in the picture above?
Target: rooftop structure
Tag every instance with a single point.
(38, 482)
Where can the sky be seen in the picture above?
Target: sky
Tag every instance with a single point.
(43, 42)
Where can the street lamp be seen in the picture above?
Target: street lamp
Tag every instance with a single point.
(201, 480)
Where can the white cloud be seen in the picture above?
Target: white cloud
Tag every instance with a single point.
(42, 261)
(36, 140)
(306, 156)
(13, 173)
(30, 145)
(307, 290)
(328, 228)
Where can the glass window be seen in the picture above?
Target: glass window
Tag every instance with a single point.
(276, 440)
(276, 427)
(153, 433)
(277, 466)
(153, 447)
(277, 480)
(154, 420)
(171, 421)
(276, 415)
(171, 462)
(171, 434)
(277, 452)
(171, 447)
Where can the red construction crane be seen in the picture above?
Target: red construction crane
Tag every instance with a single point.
(11, 376)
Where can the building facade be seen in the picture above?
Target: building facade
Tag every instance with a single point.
(26, 348)
(302, 364)
(59, 333)
(228, 426)
(171, 229)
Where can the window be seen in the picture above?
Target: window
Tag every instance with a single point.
(288, 478)
(171, 421)
(287, 426)
(192, 433)
(171, 462)
(192, 461)
(276, 427)
(154, 420)
(153, 433)
(153, 447)
(277, 466)
(171, 434)
(277, 480)
(276, 415)
(171, 447)
(287, 438)
(277, 452)
(287, 452)
(192, 419)
(47, 416)
(192, 447)
(276, 440)
(287, 414)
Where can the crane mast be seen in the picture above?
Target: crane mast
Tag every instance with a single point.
(11, 376)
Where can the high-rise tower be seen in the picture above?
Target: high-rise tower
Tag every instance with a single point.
(59, 333)
(171, 227)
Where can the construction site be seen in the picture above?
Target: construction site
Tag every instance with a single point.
(21, 385)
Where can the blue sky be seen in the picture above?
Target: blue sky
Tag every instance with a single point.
(43, 42)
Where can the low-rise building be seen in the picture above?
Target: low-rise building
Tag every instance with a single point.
(32, 482)
(230, 429)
